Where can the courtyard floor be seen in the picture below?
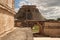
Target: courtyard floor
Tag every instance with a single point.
(45, 38)
(19, 34)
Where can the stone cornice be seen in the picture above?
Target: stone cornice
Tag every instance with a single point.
(6, 7)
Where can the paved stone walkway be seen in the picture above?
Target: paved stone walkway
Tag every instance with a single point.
(45, 38)
(19, 34)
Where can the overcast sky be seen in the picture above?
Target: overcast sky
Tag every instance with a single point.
(50, 9)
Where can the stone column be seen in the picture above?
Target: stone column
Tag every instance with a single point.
(6, 19)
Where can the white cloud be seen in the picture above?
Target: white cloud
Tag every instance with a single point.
(24, 3)
(16, 9)
(49, 8)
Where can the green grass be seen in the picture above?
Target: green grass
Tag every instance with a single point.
(35, 28)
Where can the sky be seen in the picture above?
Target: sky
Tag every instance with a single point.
(50, 9)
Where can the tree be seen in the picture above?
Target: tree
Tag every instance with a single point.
(58, 19)
(50, 20)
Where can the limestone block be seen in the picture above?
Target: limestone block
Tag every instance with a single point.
(6, 21)
(52, 32)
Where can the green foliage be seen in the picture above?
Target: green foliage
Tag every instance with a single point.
(58, 19)
(51, 19)
(35, 28)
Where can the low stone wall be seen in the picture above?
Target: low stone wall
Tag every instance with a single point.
(52, 32)
(52, 28)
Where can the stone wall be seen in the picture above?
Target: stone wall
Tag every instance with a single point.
(52, 28)
(6, 17)
(9, 3)
(52, 24)
(6, 21)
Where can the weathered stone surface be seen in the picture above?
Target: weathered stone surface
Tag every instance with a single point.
(29, 12)
(9, 3)
(52, 28)
(6, 16)
(52, 24)
(19, 34)
(52, 32)
(6, 21)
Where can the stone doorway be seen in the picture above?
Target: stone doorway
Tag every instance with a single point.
(38, 29)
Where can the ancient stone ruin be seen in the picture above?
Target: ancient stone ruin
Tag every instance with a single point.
(6, 16)
(28, 14)
(52, 28)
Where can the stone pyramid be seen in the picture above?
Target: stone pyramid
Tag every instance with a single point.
(29, 12)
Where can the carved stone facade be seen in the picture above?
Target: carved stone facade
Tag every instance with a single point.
(29, 12)
(9, 3)
(6, 16)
